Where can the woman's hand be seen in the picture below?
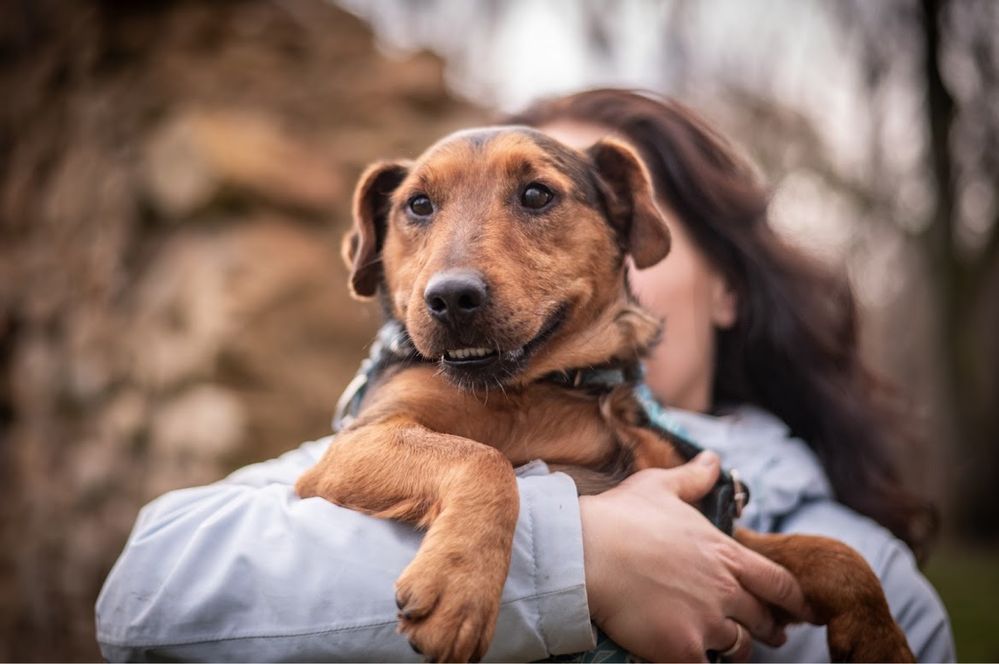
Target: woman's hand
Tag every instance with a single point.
(667, 585)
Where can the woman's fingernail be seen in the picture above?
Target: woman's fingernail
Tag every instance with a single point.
(707, 458)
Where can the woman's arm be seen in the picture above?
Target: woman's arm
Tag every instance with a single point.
(245, 570)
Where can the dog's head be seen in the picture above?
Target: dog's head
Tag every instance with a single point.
(502, 252)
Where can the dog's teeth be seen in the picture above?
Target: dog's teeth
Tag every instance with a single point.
(462, 353)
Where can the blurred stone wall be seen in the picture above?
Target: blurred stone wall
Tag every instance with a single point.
(175, 180)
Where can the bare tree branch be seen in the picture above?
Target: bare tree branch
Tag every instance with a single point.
(940, 107)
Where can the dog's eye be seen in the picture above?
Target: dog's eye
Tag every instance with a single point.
(536, 196)
(421, 206)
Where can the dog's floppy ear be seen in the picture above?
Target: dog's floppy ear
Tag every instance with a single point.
(630, 200)
(362, 246)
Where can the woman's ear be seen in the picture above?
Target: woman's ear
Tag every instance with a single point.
(724, 304)
(630, 201)
(362, 245)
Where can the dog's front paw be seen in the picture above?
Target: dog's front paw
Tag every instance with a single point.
(448, 606)
(867, 637)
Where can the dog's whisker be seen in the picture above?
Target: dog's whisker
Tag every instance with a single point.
(499, 384)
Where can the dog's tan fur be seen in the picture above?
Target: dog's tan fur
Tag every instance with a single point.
(436, 447)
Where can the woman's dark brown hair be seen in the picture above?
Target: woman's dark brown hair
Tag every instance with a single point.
(794, 348)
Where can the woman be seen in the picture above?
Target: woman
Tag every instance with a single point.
(755, 335)
(758, 333)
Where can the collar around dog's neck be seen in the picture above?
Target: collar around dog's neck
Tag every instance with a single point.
(593, 379)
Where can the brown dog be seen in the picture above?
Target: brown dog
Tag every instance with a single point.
(501, 253)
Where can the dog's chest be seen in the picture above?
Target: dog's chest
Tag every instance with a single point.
(541, 422)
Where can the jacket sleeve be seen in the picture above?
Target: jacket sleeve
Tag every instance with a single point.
(913, 601)
(245, 570)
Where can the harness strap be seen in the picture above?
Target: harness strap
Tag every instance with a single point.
(591, 379)
(391, 344)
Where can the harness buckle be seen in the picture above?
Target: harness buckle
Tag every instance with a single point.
(739, 494)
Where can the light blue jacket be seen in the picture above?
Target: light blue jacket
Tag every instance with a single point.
(244, 570)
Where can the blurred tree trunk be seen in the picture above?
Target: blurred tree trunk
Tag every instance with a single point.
(964, 294)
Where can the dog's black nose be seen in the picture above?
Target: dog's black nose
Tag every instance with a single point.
(454, 296)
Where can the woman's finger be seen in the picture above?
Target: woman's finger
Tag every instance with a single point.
(770, 582)
(689, 482)
(757, 618)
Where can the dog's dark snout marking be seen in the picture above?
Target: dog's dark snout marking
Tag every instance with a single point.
(455, 296)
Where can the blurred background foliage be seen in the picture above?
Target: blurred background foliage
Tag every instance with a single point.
(175, 176)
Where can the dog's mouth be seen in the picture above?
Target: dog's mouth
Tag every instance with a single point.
(492, 364)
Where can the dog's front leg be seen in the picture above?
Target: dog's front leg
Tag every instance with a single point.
(464, 493)
(843, 592)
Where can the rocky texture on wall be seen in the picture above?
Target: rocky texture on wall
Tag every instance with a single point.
(174, 180)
